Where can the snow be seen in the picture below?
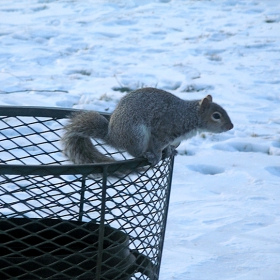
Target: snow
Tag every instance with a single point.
(224, 215)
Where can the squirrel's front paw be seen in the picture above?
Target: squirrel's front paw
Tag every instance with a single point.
(169, 151)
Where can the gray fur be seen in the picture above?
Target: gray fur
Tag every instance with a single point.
(147, 122)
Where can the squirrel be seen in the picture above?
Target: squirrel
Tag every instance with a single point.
(147, 123)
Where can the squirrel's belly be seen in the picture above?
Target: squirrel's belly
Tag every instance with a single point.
(176, 142)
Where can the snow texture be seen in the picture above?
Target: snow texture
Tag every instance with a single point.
(224, 215)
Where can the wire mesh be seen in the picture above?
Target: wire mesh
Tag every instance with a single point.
(64, 221)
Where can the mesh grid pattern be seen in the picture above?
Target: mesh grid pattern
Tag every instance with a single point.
(65, 221)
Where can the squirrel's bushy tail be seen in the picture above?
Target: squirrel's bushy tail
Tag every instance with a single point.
(76, 141)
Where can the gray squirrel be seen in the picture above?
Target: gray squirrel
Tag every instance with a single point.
(147, 123)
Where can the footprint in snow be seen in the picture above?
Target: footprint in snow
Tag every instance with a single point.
(206, 169)
(242, 147)
(274, 170)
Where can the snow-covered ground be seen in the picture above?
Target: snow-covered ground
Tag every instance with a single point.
(224, 217)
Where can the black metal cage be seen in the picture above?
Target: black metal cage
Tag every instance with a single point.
(64, 221)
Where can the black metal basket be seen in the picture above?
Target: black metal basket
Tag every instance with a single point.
(64, 221)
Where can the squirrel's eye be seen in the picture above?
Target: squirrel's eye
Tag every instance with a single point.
(216, 116)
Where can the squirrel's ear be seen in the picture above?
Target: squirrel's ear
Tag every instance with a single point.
(209, 97)
(204, 102)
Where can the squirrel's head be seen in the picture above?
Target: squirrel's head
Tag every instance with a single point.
(214, 118)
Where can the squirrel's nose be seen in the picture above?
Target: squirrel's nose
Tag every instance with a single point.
(229, 126)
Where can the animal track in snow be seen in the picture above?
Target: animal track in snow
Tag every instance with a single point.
(258, 198)
(274, 170)
(206, 169)
(242, 147)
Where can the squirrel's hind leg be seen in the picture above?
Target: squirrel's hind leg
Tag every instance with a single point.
(140, 143)
(157, 150)
(137, 140)
(152, 157)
